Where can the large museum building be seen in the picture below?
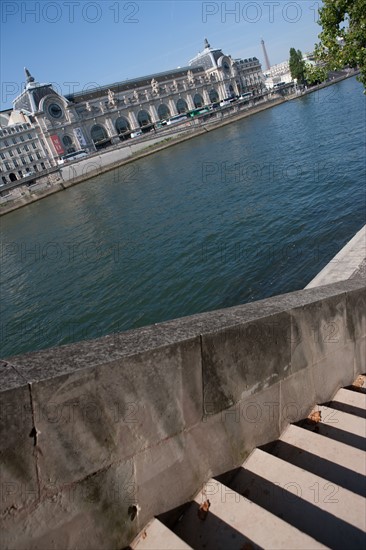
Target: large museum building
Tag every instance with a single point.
(103, 116)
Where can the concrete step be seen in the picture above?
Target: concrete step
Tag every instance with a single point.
(349, 397)
(156, 536)
(304, 491)
(359, 384)
(313, 447)
(350, 402)
(327, 512)
(333, 418)
(234, 522)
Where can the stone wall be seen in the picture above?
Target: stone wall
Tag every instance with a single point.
(98, 437)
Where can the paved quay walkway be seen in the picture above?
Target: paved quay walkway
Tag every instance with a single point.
(350, 262)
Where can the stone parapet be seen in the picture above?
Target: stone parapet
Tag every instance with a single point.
(100, 436)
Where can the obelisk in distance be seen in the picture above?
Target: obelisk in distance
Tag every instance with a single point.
(266, 60)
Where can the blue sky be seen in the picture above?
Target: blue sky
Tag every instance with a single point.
(73, 43)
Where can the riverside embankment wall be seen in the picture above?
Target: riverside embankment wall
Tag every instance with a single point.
(15, 196)
(98, 437)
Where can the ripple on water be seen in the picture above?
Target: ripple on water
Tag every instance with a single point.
(251, 210)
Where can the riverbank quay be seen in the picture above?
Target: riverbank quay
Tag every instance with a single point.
(334, 80)
(349, 263)
(95, 434)
(14, 196)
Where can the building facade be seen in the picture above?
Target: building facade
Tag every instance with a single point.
(97, 118)
(23, 152)
(278, 73)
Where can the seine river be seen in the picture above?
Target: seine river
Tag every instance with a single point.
(253, 209)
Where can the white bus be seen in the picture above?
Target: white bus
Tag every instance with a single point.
(72, 156)
(247, 95)
(175, 119)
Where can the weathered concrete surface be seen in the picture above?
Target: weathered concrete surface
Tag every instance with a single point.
(349, 262)
(155, 412)
(305, 490)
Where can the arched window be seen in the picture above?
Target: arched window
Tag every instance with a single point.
(198, 100)
(12, 177)
(163, 111)
(182, 106)
(68, 144)
(100, 137)
(98, 133)
(143, 118)
(122, 126)
(214, 96)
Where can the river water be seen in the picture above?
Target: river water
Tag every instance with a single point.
(250, 210)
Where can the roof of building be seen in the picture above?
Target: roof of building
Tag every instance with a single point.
(86, 95)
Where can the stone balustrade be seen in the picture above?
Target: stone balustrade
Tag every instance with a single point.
(99, 436)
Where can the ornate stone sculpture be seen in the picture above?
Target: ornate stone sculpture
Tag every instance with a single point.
(191, 79)
(112, 98)
(72, 116)
(155, 86)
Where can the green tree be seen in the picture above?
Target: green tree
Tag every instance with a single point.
(315, 74)
(345, 20)
(297, 65)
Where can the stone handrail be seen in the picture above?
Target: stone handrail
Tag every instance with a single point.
(98, 437)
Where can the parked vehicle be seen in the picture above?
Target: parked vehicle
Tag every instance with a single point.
(137, 133)
(177, 118)
(247, 95)
(72, 156)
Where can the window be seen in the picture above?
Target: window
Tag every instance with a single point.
(7, 165)
(26, 148)
(15, 163)
(43, 166)
(38, 155)
(19, 150)
(11, 153)
(23, 160)
(21, 138)
(98, 133)
(68, 144)
(14, 140)
(20, 173)
(34, 145)
(67, 141)
(55, 110)
(29, 136)
(4, 179)
(2, 155)
(122, 125)
(6, 143)
(35, 167)
(31, 158)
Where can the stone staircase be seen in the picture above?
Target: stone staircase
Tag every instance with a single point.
(306, 490)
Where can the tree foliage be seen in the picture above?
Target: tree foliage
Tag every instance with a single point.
(345, 20)
(315, 74)
(297, 65)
